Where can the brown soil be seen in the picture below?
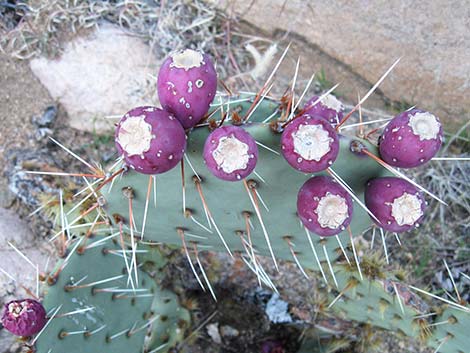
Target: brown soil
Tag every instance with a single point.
(21, 97)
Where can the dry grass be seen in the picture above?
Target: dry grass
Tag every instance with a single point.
(40, 27)
(166, 25)
(448, 227)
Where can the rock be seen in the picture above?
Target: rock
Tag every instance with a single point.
(104, 74)
(213, 332)
(229, 331)
(44, 122)
(28, 188)
(42, 133)
(47, 118)
(15, 231)
(431, 37)
(277, 310)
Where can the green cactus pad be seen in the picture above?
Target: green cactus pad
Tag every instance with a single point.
(119, 320)
(227, 201)
(375, 301)
(451, 331)
(172, 319)
(314, 345)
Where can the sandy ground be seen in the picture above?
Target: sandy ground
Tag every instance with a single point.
(21, 98)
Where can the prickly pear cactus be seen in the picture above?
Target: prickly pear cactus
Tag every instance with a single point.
(92, 308)
(184, 201)
(230, 183)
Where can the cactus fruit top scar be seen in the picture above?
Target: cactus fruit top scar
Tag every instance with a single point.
(406, 209)
(311, 142)
(332, 211)
(231, 154)
(187, 59)
(425, 125)
(135, 135)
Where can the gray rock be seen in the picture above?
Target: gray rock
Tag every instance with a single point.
(44, 122)
(213, 332)
(277, 310)
(42, 133)
(229, 331)
(104, 74)
(29, 187)
(47, 118)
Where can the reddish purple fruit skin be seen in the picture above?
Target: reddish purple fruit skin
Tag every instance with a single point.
(322, 110)
(292, 157)
(29, 322)
(400, 147)
(379, 195)
(272, 347)
(166, 150)
(212, 143)
(307, 202)
(174, 90)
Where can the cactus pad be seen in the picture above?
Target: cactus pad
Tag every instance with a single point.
(96, 310)
(276, 184)
(379, 302)
(451, 331)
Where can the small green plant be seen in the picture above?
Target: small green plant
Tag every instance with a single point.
(323, 83)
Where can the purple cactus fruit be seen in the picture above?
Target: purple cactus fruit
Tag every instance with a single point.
(309, 144)
(272, 347)
(411, 139)
(230, 153)
(324, 206)
(395, 202)
(186, 85)
(329, 108)
(24, 317)
(151, 140)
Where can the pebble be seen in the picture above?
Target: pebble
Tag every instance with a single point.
(213, 332)
(277, 310)
(229, 331)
